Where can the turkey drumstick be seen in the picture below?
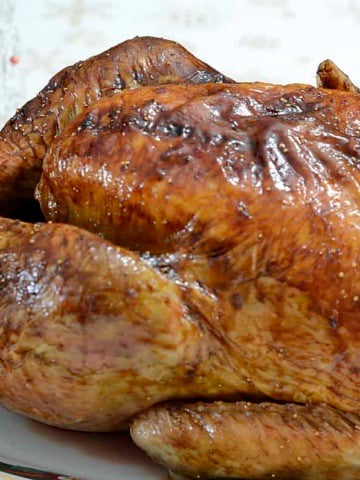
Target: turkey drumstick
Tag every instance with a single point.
(92, 334)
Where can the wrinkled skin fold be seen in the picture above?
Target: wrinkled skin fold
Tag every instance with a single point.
(205, 245)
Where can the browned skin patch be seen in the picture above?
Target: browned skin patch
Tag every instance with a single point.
(91, 334)
(25, 139)
(252, 441)
(330, 76)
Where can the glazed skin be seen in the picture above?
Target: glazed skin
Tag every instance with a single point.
(247, 198)
(26, 137)
(213, 254)
(90, 333)
(330, 76)
(252, 440)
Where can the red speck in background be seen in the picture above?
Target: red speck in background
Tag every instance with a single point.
(14, 59)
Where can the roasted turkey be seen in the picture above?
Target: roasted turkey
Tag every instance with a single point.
(198, 274)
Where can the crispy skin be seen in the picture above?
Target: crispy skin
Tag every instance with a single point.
(252, 192)
(329, 75)
(243, 203)
(252, 441)
(90, 333)
(247, 196)
(25, 139)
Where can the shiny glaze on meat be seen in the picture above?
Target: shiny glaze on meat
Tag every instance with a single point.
(90, 333)
(236, 212)
(329, 75)
(251, 441)
(25, 138)
(250, 194)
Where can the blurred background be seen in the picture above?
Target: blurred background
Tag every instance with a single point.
(280, 41)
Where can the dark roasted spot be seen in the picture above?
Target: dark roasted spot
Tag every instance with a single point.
(187, 131)
(142, 124)
(236, 300)
(115, 117)
(119, 82)
(170, 129)
(217, 139)
(219, 250)
(260, 296)
(355, 370)
(195, 236)
(88, 122)
(125, 166)
(190, 371)
(137, 76)
(333, 320)
(203, 137)
(203, 76)
(187, 159)
(114, 114)
(165, 269)
(71, 113)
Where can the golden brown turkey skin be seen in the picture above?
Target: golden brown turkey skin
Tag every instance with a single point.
(244, 199)
(252, 192)
(25, 139)
(329, 75)
(90, 333)
(248, 197)
(244, 440)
